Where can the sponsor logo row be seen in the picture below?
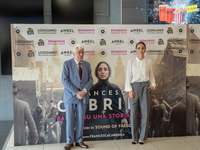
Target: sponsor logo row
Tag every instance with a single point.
(101, 52)
(72, 42)
(102, 31)
(171, 52)
(193, 30)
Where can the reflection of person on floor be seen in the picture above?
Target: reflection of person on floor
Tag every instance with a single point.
(22, 115)
(109, 102)
(160, 118)
(39, 121)
(192, 109)
(177, 120)
(53, 127)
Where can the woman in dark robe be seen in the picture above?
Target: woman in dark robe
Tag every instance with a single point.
(105, 117)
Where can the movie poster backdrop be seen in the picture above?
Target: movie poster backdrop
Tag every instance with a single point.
(38, 54)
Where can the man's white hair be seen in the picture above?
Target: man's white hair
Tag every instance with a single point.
(78, 47)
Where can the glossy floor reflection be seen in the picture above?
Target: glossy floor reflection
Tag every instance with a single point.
(168, 143)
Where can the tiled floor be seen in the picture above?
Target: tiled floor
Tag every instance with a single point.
(168, 143)
(165, 143)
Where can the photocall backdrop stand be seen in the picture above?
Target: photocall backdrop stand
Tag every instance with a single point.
(39, 51)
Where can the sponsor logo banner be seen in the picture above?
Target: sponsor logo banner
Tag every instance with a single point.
(47, 31)
(47, 53)
(102, 31)
(118, 31)
(66, 53)
(136, 31)
(24, 42)
(118, 52)
(131, 42)
(67, 31)
(160, 42)
(87, 42)
(38, 65)
(89, 53)
(148, 41)
(117, 42)
(73, 42)
(154, 52)
(102, 52)
(31, 53)
(41, 42)
(170, 30)
(56, 42)
(19, 30)
(155, 31)
(30, 31)
(102, 42)
(86, 31)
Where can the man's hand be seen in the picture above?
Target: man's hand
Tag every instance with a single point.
(80, 94)
(132, 94)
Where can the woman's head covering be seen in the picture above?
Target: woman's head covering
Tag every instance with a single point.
(96, 69)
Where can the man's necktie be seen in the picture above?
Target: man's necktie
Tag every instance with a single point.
(80, 70)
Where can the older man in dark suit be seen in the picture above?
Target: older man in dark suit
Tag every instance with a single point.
(192, 109)
(77, 81)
